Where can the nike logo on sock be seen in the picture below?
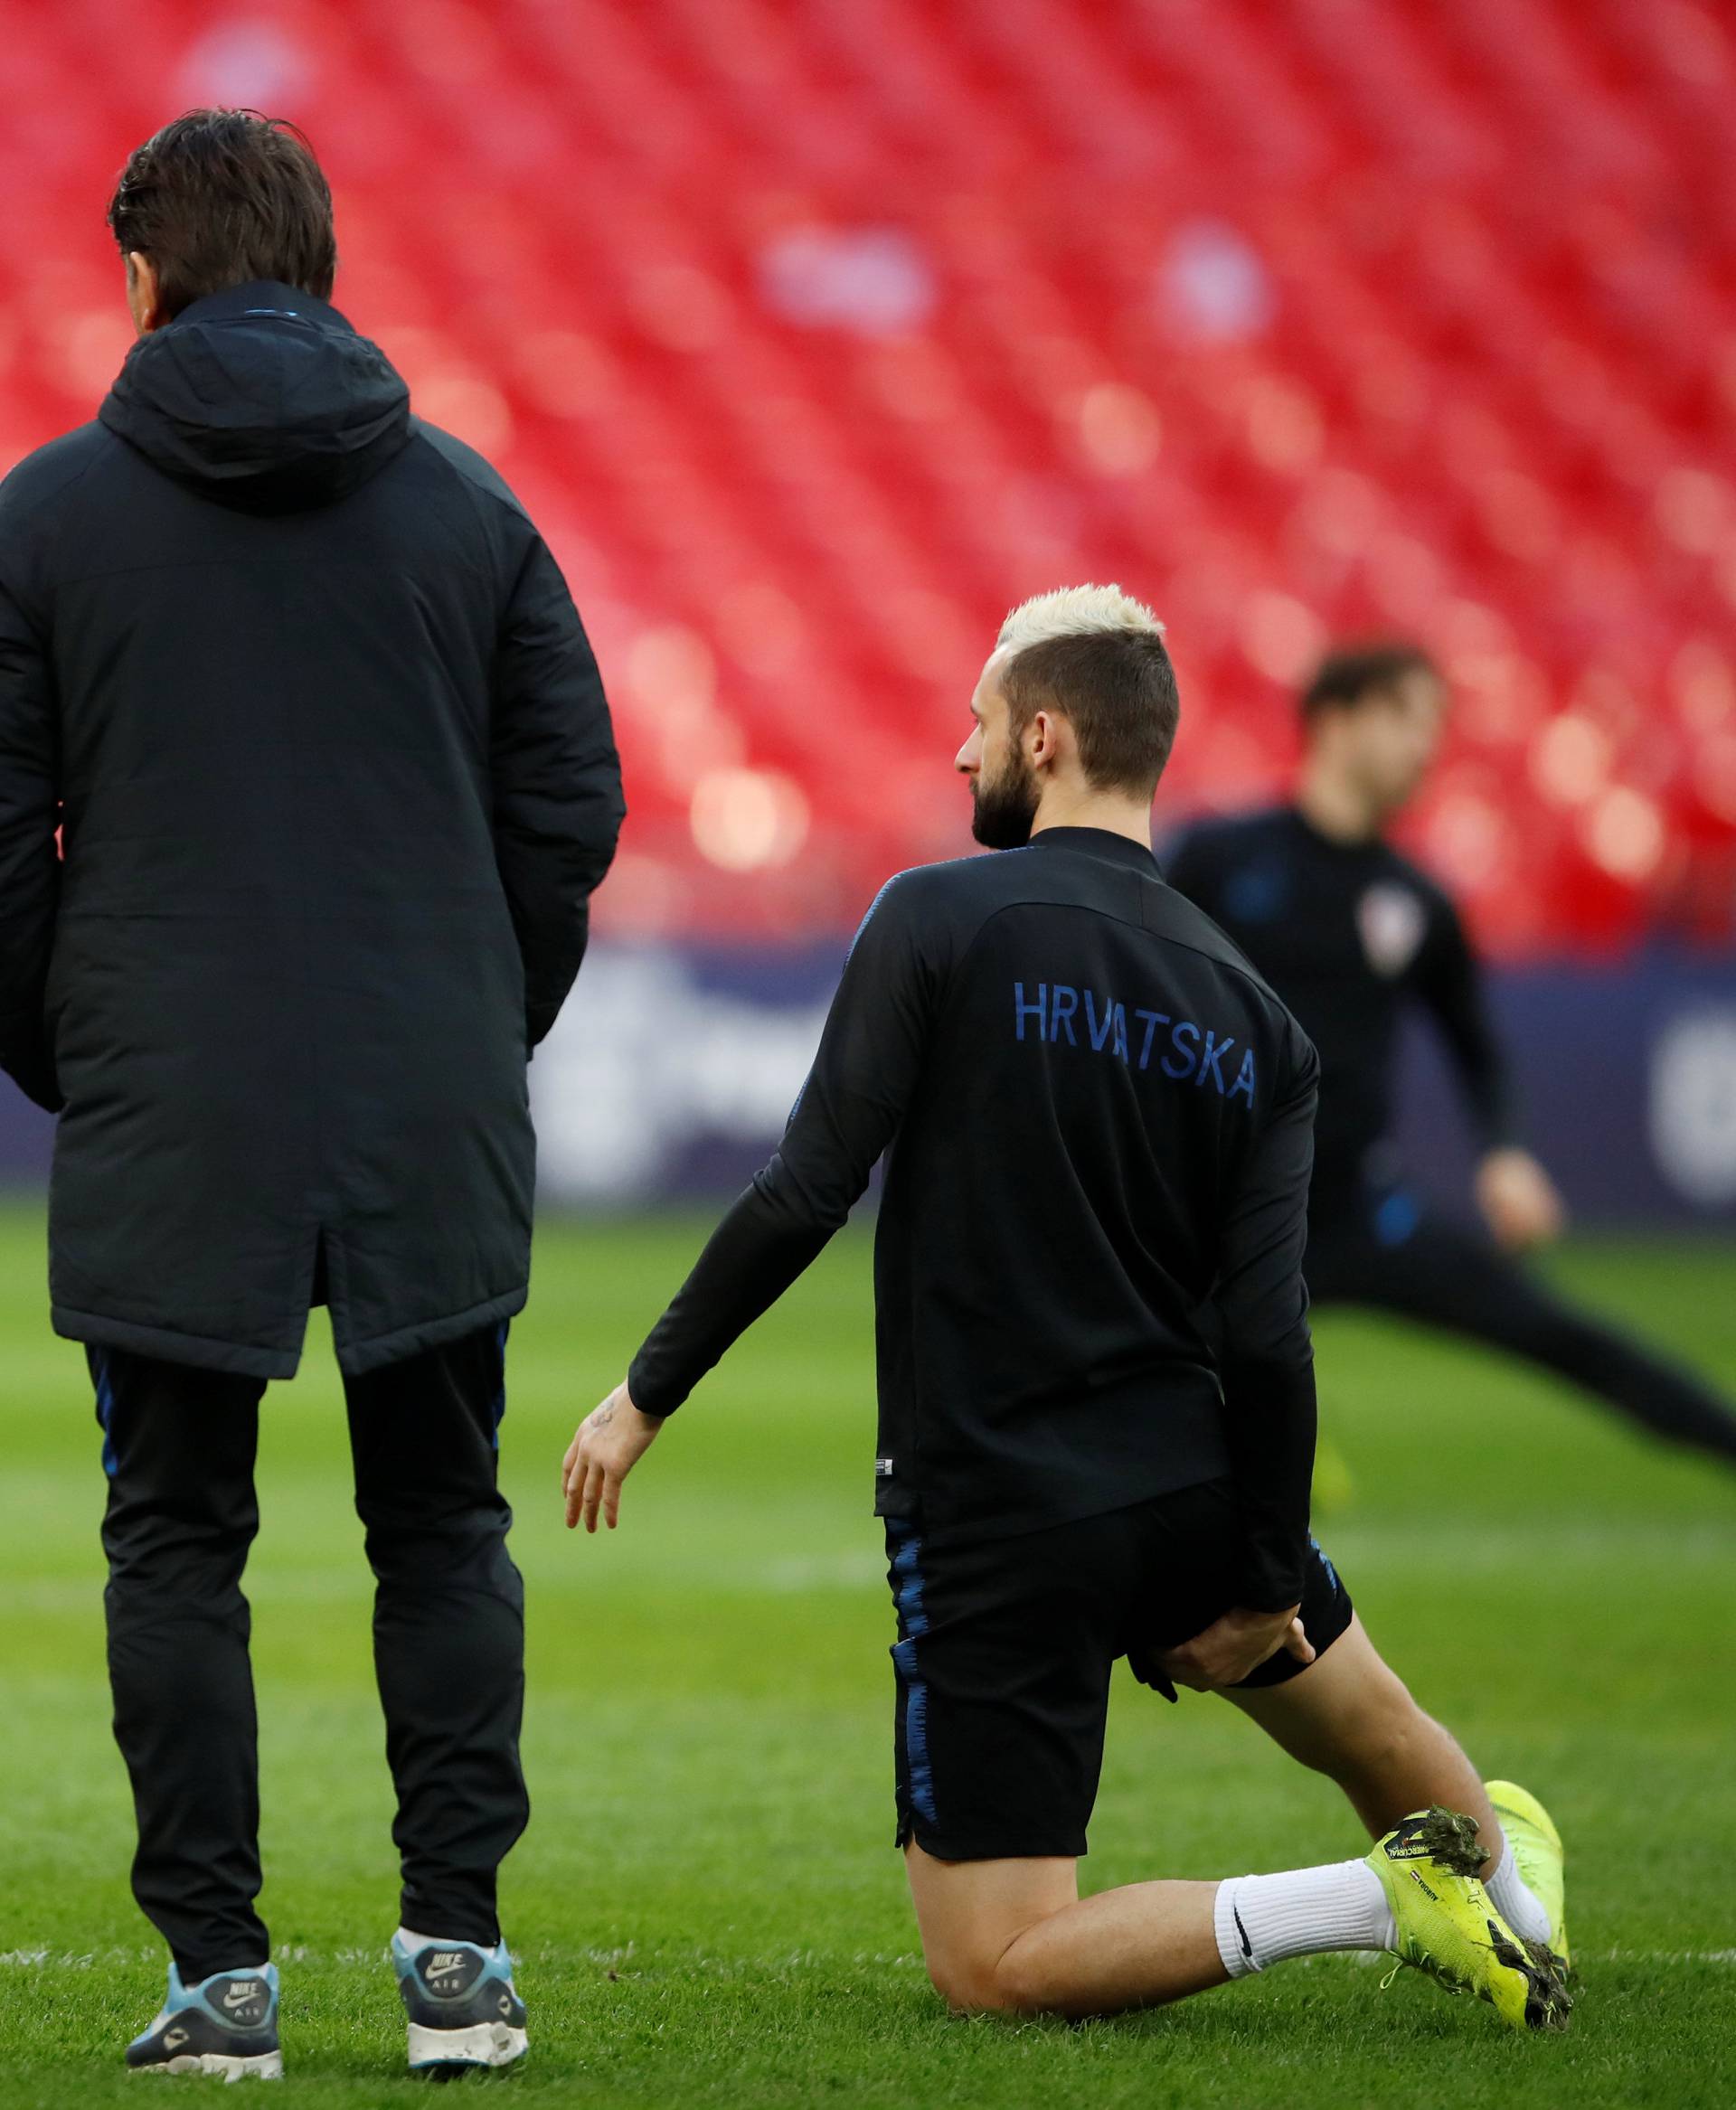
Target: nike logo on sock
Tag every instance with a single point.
(1247, 1946)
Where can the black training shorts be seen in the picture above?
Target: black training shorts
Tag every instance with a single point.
(1004, 1650)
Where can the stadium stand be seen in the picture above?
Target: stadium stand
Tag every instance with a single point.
(814, 334)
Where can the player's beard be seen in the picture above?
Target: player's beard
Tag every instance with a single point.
(1005, 806)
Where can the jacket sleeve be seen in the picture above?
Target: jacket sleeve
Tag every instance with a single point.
(1450, 982)
(1267, 1355)
(871, 1055)
(30, 871)
(557, 782)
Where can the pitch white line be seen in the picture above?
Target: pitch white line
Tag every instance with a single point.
(371, 1959)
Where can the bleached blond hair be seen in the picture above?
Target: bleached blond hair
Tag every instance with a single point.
(1073, 611)
(1097, 657)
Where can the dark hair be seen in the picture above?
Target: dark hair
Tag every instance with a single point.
(1115, 688)
(1349, 673)
(220, 197)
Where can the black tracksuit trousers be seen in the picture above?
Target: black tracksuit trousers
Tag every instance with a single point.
(1404, 1259)
(448, 1636)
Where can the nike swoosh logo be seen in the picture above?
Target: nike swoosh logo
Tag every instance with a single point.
(238, 1996)
(1247, 1946)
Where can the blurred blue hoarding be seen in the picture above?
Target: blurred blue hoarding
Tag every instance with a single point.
(672, 1072)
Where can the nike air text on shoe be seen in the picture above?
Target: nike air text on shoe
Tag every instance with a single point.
(463, 2007)
(1447, 1924)
(225, 2026)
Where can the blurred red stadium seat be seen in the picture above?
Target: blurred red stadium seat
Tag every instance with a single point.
(816, 335)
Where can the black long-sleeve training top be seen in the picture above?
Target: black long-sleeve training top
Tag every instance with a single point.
(1088, 1265)
(1348, 934)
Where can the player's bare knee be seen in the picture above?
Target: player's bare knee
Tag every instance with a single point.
(1021, 1983)
(993, 1971)
(1025, 1982)
(968, 1983)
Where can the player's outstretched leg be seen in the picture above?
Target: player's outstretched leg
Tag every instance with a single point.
(1649, 1389)
(1452, 1278)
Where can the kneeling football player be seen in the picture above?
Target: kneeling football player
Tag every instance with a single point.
(1097, 1408)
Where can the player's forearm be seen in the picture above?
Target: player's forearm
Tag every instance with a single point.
(1484, 1084)
(767, 1240)
(1270, 1418)
(1454, 990)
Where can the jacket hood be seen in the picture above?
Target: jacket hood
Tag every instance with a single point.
(261, 398)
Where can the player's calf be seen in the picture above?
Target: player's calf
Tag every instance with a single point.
(1350, 1717)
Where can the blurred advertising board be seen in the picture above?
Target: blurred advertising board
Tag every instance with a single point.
(672, 1069)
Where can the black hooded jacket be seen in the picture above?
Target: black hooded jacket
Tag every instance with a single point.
(305, 694)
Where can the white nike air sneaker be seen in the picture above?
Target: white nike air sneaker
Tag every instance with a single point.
(225, 2026)
(463, 2007)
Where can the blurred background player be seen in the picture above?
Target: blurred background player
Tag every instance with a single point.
(1096, 1382)
(1349, 932)
(308, 694)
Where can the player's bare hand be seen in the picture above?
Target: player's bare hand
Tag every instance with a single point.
(1234, 1646)
(1519, 1201)
(611, 1441)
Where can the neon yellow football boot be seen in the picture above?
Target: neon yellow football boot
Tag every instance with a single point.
(1537, 1852)
(1447, 1926)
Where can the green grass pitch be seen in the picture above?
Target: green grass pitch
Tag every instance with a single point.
(707, 1908)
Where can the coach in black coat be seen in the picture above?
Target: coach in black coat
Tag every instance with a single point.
(336, 779)
(301, 692)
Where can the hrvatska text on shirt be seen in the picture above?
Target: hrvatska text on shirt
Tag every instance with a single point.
(1143, 1037)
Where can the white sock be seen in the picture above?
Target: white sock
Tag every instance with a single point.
(1262, 1919)
(1515, 1900)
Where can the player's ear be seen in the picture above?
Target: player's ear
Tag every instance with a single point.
(1042, 737)
(143, 294)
